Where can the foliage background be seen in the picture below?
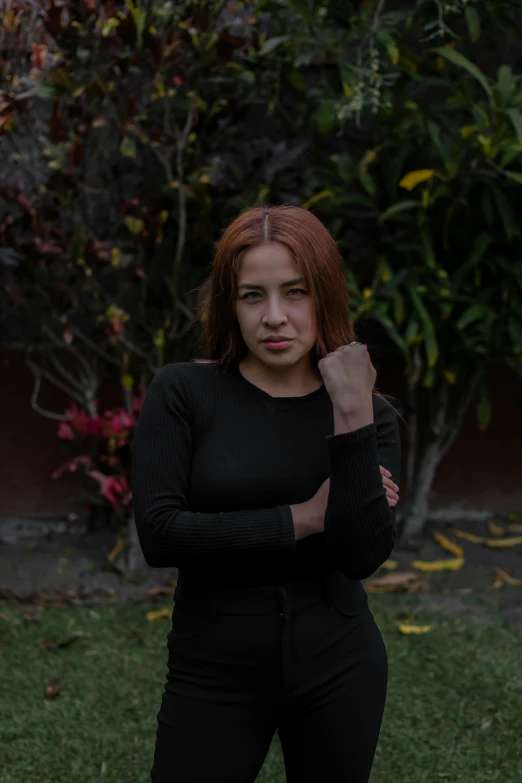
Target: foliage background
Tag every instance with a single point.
(133, 132)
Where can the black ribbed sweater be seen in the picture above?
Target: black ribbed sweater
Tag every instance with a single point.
(217, 462)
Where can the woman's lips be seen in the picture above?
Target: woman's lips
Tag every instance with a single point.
(278, 345)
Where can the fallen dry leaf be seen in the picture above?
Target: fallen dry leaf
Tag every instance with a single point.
(166, 613)
(467, 536)
(453, 564)
(5, 617)
(53, 687)
(392, 583)
(501, 543)
(449, 545)
(494, 529)
(136, 635)
(505, 577)
(120, 546)
(389, 565)
(159, 591)
(515, 528)
(417, 629)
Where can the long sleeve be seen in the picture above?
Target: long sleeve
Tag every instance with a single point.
(359, 523)
(170, 534)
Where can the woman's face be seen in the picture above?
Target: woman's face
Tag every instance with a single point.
(272, 300)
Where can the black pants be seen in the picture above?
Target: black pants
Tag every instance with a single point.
(305, 658)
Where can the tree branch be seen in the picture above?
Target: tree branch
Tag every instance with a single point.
(39, 373)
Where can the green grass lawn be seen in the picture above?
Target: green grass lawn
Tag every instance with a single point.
(454, 708)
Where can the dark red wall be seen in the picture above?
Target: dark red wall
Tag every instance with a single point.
(483, 469)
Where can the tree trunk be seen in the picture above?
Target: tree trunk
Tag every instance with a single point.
(135, 562)
(443, 430)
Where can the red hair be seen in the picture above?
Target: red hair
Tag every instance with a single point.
(317, 259)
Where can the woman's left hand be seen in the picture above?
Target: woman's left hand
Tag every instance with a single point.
(349, 377)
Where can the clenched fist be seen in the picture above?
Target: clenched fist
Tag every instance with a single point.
(349, 376)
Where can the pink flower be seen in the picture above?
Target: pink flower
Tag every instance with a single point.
(71, 466)
(110, 486)
(65, 431)
(68, 335)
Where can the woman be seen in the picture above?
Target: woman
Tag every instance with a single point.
(268, 478)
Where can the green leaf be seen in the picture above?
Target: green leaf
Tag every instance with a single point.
(430, 337)
(473, 313)
(515, 332)
(395, 209)
(429, 254)
(429, 378)
(412, 330)
(473, 22)
(483, 405)
(487, 206)
(511, 152)
(482, 243)
(515, 175)
(506, 214)
(516, 118)
(505, 81)
(399, 311)
(273, 43)
(462, 62)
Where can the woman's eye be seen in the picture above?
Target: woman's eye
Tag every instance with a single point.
(301, 291)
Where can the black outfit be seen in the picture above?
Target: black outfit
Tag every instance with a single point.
(267, 633)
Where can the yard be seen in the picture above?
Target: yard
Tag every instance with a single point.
(453, 709)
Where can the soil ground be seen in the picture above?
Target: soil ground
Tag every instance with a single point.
(73, 566)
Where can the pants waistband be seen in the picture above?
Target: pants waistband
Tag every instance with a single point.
(285, 598)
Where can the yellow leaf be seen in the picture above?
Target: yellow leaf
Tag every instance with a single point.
(467, 536)
(394, 53)
(369, 157)
(406, 628)
(450, 376)
(467, 130)
(127, 381)
(317, 197)
(389, 565)
(120, 546)
(510, 580)
(115, 257)
(159, 614)
(128, 147)
(495, 530)
(449, 545)
(440, 62)
(204, 179)
(502, 543)
(347, 90)
(367, 293)
(439, 565)
(135, 225)
(413, 178)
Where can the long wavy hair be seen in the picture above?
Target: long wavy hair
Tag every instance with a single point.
(317, 259)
